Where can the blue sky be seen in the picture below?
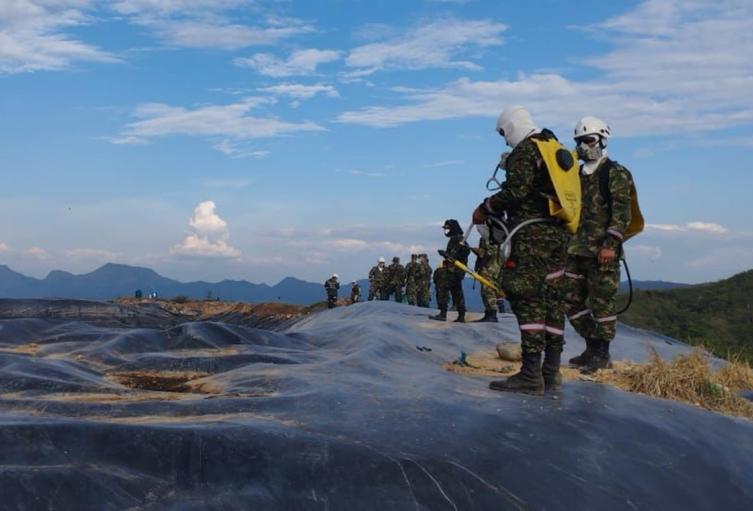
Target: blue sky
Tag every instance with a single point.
(213, 139)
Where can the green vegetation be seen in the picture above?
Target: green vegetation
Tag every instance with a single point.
(717, 315)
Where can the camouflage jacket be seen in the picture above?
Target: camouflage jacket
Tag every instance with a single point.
(524, 194)
(423, 275)
(412, 270)
(355, 292)
(487, 254)
(377, 276)
(396, 275)
(598, 228)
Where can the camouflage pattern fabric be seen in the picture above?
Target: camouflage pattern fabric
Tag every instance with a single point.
(441, 286)
(423, 283)
(592, 287)
(394, 282)
(598, 228)
(533, 276)
(355, 293)
(412, 271)
(523, 194)
(591, 295)
(488, 265)
(376, 282)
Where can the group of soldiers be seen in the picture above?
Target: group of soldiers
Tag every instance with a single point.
(548, 269)
(551, 272)
(414, 279)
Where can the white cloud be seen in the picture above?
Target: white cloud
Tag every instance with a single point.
(237, 150)
(650, 252)
(209, 236)
(207, 23)
(37, 252)
(300, 62)
(686, 70)
(703, 227)
(301, 91)
(33, 37)
(4, 248)
(445, 163)
(174, 6)
(215, 120)
(433, 44)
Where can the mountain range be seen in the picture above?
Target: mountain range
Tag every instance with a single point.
(114, 280)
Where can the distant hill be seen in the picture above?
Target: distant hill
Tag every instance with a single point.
(113, 280)
(718, 315)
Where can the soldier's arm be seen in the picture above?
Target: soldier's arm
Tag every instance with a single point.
(521, 170)
(619, 189)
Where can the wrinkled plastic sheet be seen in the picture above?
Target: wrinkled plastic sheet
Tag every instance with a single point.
(340, 412)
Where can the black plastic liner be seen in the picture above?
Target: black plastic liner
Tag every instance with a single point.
(338, 412)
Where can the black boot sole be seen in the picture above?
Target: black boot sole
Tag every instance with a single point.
(530, 392)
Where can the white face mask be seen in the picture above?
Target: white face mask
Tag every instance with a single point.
(588, 152)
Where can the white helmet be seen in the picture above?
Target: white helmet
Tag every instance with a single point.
(335, 276)
(589, 127)
(380, 260)
(593, 126)
(515, 124)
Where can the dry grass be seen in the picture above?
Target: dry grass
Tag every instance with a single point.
(162, 381)
(689, 378)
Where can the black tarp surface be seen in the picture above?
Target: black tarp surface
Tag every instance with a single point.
(338, 412)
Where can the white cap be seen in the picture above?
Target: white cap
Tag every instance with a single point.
(335, 275)
(381, 259)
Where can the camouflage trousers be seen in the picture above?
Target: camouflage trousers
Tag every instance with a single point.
(533, 280)
(591, 294)
(488, 295)
(411, 291)
(375, 293)
(424, 295)
(393, 290)
(455, 287)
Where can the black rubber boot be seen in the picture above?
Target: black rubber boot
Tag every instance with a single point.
(600, 358)
(442, 316)
(461, 317)
(585, 357)
(527, 381)
(550, 369)
(489, 317)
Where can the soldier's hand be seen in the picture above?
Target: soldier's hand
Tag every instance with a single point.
(606, 255)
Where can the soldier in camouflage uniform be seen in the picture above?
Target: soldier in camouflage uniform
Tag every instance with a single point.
(488, 265)
(395, 281)
(377, 276)
(441, 287)
(424, 281)
(593, 269)
(459, 251)
(412, 270)
(532, 276)
(355, 292)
